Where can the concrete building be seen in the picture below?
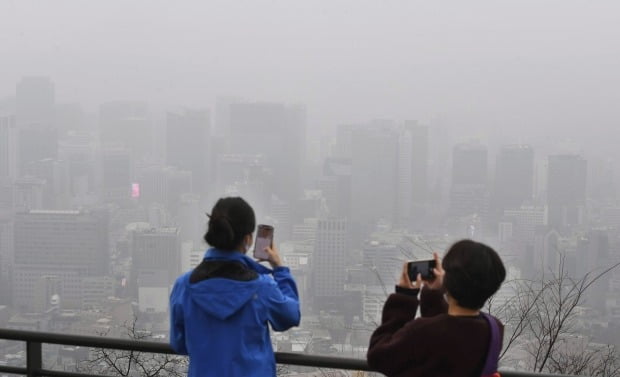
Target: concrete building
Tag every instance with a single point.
(155, 250)
(469, 193)
(34, 116)
(8, 144)
(187, 145)
(126, 124)
(374, 176)
(514, 177)
(566, 191)
(328, 262)
(69, 245)
(272, 130)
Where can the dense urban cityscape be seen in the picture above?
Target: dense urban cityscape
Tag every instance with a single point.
(97, 222)
(104, 203)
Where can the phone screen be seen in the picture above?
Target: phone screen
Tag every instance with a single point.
(424, 267)
(264, 239)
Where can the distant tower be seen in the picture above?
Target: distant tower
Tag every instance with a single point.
(469, 193)
(328, 262)
(68, 245)
(277, 132)
(187, 145)
(566, 190)
(126, 124)
(514, 177)
(37, 135)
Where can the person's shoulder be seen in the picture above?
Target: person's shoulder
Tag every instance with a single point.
(181, 280)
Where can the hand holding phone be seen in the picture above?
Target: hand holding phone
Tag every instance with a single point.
(264, 239)
(425, 268)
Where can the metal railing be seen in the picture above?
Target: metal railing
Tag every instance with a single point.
(34, 356)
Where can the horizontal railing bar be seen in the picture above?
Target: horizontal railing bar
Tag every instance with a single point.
(62, 373)
(12, 370)
(322, 361)
(86, 341)
(163, 348)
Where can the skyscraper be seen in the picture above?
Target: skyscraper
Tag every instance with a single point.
(70, 245)
(328, 262)
(187, 145)
(35, 100)
(126, 124)
(514, 177)
(8, 133)
(419, 165)
(116, 174)
(277, 132)
(566, 190)
(156, 251)
(6, 256)
(374, 175)
(37, 135)
(469, 191)
(412, 170)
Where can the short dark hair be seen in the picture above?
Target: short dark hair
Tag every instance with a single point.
(230, 220)
(474, 272)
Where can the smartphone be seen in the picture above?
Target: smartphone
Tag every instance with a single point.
(264, 239)
(423, 267)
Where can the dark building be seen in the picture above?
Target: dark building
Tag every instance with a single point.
(419, 166)
(187, 145)
(277, 132)
(66, 245)
(328, 263)
(126, 124)
(374, 175)
(469, 192)
(566, 190)
(514, 177)
(8, 133)
(156, 250)
(34, 116)
(116, 173)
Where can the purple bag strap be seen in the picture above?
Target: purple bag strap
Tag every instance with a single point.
(490, 365)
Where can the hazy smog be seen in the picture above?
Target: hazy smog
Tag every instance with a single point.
(367, 133)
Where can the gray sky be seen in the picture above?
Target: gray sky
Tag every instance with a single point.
(526, 67)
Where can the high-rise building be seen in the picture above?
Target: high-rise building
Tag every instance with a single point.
(336, 186)
(277, 132)
(116, 174)
(566, 190)
(328, 262)
(34, 116)
(35, 100)
(126, 124)
(469, 192)
(6, 256)
(514, 177)
(525, 220)
(187, 145)
(8, 156)
(164, 185)
(374, 175)
(156, 250)
(69, 245)
(419, 166)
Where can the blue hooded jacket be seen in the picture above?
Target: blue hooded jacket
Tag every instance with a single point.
(222, 323)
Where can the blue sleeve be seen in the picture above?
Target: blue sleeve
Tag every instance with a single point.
(283, 301)
(177, 322)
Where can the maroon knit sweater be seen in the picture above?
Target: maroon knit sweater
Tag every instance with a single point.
(436, 344)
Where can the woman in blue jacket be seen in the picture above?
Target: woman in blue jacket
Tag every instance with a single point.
(220, 311)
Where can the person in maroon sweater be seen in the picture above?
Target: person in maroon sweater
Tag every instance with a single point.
(450, 338)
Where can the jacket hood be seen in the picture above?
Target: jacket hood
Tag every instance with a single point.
(222, 298)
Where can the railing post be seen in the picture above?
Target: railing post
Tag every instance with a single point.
(34, 358)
